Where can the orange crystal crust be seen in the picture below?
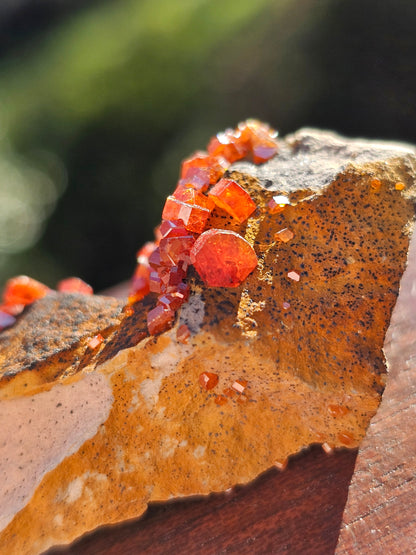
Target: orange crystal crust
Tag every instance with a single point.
(228, 195)
(223, 258)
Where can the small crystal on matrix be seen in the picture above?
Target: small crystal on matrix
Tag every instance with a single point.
(277, 204)
(284, 235)
(159, 319)
(228, 195)
(223, 258)
(208, 380)
(293, 275)
(95, 341)
(183, 334)
(74, 285)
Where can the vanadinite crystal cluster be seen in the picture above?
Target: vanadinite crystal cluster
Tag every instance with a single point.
(187, 236)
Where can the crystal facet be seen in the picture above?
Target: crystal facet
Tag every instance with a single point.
(277, 204)
(95, 341)
(194, 217)
(284, 235)
(74, 285)
(159, 319)
(223, 258)
(208, 380)
(23, 290)
(232, 198)
(293, 275)
(183, 334)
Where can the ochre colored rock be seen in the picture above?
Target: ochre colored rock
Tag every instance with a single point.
(298, 361)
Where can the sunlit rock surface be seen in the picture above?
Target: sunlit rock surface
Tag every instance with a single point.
(89, 438)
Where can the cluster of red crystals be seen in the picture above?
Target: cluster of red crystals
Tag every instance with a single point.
(223, 258)
(22, 291)
(74, 285)
(252, 139)
(202, 170)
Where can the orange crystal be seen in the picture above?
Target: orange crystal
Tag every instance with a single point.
(375, 184)
(228, 195)
(277, 204)
(337, 410)
(74, 285)
(201, 169)
(95, 341)
(159, 319)
(284, 235)
(208, 380)
(239, 385)
(293, 275)
(346, 438)
(228, 145)
(261, 140)
(194, 217)
(223, 258)
(23, 290)
(191, 196)
(183, 334)
(400, 186)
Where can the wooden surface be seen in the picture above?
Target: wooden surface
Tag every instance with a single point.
(301, 510)
(380, 516)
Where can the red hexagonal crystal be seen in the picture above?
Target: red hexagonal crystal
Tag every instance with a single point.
(159, 319)
(229, 196)
(23, 290)
(194, 217)
(74, 285)
(223, 258)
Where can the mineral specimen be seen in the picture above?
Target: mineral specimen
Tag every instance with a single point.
(89, 437)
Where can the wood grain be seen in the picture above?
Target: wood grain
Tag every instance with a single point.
(380, 515)
(298, 510)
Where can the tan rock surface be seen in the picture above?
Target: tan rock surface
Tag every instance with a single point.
(141, 427)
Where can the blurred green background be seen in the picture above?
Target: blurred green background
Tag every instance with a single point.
(100, 101)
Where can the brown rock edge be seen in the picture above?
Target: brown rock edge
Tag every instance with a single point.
(94, 442)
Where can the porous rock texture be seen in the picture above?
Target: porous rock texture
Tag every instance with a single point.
(89, 439)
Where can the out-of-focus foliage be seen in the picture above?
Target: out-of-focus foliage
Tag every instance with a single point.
(96, 113)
